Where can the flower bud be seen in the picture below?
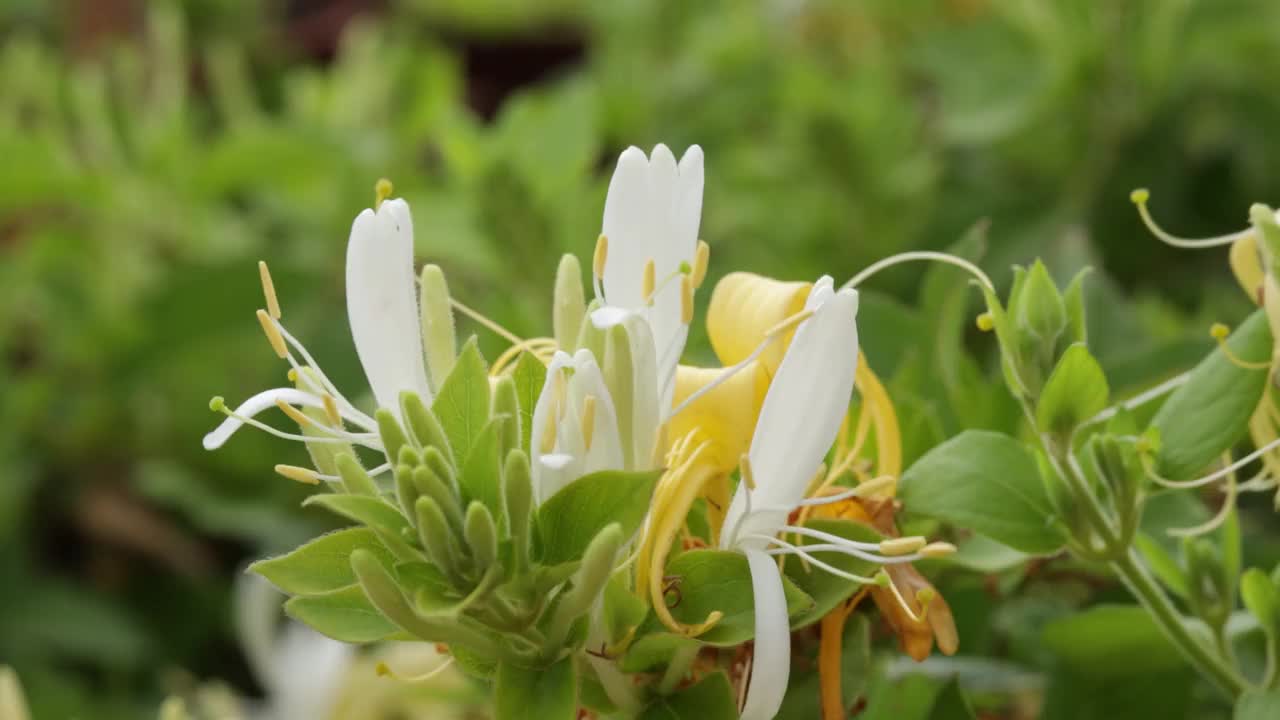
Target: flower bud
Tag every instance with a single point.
(482, 535)
(407, 491)
(588, 582)
(436, 460)
(423, 423)
(433, 530)
(429, 484)
(517, 496)
(1262, 598)
(506, 405)
(570, 307)
(393, 437)
(1040, 309)
(438, 338)
(355, 479)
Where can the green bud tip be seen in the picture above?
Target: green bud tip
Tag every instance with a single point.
(1140, 196)
(217, 404)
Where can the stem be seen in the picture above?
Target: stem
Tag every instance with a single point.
(1157, 603)
(678, 667)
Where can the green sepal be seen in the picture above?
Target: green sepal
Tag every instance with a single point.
(1075, 391)
(462, 405)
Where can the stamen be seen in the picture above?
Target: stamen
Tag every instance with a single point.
(686, 300)
(292, 375)
(1219, 332)
(383, 670)
(1142, 398)
(870, 487)
(1213, 523)
(937, 550)
(1140, 196)
(726, 373)
(297, 415)
(588, 420)
(648, 280)
(331, 410)
(598, 260)
(303, 475)
(700, 260)
(892, 260)
(366, 440)
(902, 601)
(490, 324)
(273, 334)
(748, 475)
(894, 547)
(803, 553)
(381, 191)
(1207, 479)
(269, 290)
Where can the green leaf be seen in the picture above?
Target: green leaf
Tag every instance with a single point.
(1111, 640)
(710, 699)
(1262, 598)
(950, 704)
(344, 614)
(536, 693)
(529, 374)
(481, 478)
(1163, 564)
(573, 516)
(1210, 413)
(829, 590)
(1258, 705)
(323, 564)
(1076, 391)
(653, 651)
(720, 580)
(989, 483)
(982, 554)
(462, 406)
(374, 512)
(623, 609)
(427, 586)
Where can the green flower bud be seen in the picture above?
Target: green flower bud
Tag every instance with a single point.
(428, 483)
(393, 437)
(409, 456)
(423, 423)
(588, 583)
(1040, 309)
(435, 459)
(1210, 591)
(438, 336)
(619, 377)
(482, 535)
(517, 496)
(433, 530)
(506, 404)
(407, 491)
(570, 305)
(355, 479)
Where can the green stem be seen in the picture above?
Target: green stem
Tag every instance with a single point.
(678, 667)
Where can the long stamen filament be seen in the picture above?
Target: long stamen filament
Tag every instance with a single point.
(1219, 517)
(1142, 398)
(361, 439)
(383, 670)
(914, 255)
(486, 322)
(802, 552)
(1219, 332)
(1211, 477)
(1140, 196)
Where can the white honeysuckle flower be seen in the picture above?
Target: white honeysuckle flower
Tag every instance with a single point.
(651, 213)
(575, 427)
(384, 313)
(799, 419)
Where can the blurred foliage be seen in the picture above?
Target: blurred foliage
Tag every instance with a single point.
(152, 151)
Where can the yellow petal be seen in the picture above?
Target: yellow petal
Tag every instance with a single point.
(726, 415)
(744, 306)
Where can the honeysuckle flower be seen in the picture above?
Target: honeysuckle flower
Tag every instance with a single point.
(387, 325)
(649, 260)
(575, 428)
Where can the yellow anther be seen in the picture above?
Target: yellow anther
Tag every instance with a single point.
(273, 334)
(331, 410)
(269, 290)
(303, 475)
(648, 280)
(294, 413)
(789, 324)
(748, 475)
(1219, 332)
(938, 550)
(986, 323)
(1140, 196)
(700, 260)
(601, 256)
(381, 191)
(686, 300)
(588, 420)
(548, 443)
(894, 547)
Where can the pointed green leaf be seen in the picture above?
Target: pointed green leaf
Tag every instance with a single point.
(1076, 391)
(344, 614)
(950, 704)
(569, 520)
(374, 512)
(705, 581)
(530, 374)
(462, 405)
(323, 564)
(481, 478)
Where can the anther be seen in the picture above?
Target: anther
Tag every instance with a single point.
(331, 410)
(985, 322)
(273, 334)
(1219, 331)
(294, 413)
(299, 474)
(700, 260)
(269, 290)
(588, 420)
(292, 375)
(748, 476)
(381, 191)
(937, 550)
(894, 547)
(600, 256)
(686, 300)
(648, 280)
(218, 404)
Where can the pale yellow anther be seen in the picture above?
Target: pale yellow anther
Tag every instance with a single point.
(748, 475)
(894, 547)
(985, 322)
(588, 420)
(789, 324)
(600, 257)
(331, 410)
(299, 474)
(686, 300)
(548, 443)
(381, 191)
(294, 413)
(269, 290)
(938, 550)
(648, 280)
(273, 334)
(700, 260)
(1219, 331)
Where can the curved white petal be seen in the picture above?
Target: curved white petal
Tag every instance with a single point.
(382, 304)
(771, 659)
(609, 315)
(311, 670)
(626, 223)
(254, 405)
(542, 411)
(605, 452)
(801, 413)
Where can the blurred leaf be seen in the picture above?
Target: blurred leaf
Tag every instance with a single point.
(536, 693)
(711, 698)
(1112, 640)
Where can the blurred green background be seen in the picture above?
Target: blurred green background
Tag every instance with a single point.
(151, 152)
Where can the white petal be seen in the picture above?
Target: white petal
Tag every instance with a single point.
(382, 304)
(605, 452)
(555, 471)
(802, 412)
(626, 221)
(771, 659)
(606, 317)
(542, 410)
(254, 405)
(311, 673)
